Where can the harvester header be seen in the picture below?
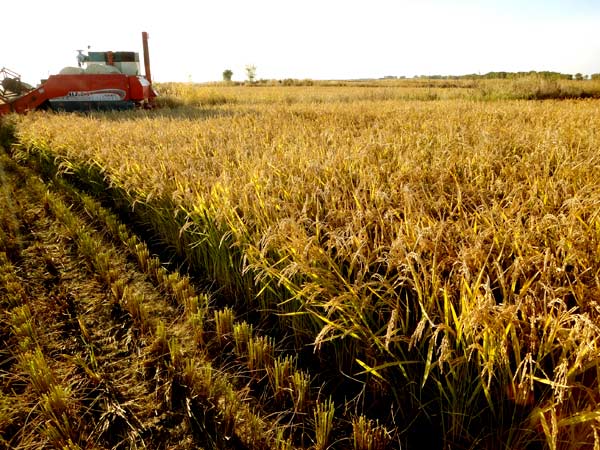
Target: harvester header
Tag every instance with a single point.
(101, 81)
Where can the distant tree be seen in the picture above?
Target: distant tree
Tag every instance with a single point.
(227, 74)
(595, 76)
(578, 76)
(251, 72)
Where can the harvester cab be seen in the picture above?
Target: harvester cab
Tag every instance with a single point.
(109, 81)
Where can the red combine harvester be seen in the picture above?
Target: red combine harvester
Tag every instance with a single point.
(110, 81)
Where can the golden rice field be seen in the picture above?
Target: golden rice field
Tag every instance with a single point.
(428, 256)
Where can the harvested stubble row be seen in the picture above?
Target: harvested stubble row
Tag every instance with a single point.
(266, 372)
(107, 370)
(444, 255)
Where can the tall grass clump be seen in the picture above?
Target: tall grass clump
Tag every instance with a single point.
(7, 130)
(537, 88)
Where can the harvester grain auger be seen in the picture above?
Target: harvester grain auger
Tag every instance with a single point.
(109, 81)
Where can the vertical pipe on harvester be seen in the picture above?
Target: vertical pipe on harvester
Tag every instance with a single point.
(146, 57)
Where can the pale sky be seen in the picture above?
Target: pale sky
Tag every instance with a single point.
(319, 39)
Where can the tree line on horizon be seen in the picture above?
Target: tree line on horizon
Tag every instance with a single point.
(512, 75)
(550, 75)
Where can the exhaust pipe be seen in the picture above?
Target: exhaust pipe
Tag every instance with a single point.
(146, 57)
